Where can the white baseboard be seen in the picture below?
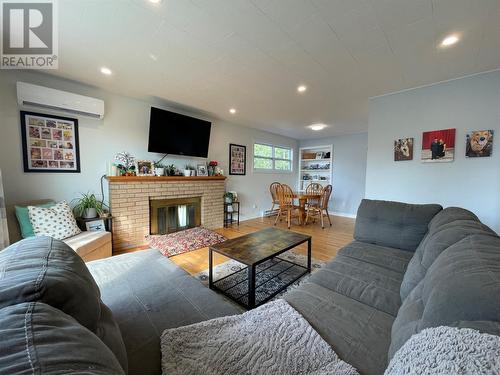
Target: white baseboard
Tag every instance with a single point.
(344, 214)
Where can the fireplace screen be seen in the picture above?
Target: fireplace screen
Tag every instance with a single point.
(173, 215)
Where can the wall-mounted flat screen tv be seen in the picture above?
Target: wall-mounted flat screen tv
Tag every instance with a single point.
(173, 133)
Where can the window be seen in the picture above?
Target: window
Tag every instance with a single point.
(272, 158)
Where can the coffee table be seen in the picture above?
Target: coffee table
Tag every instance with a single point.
(266, 273)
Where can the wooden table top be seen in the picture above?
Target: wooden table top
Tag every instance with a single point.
(304, 195)
(259, 246)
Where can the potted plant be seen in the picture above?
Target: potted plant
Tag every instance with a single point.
(228, 197)
(171, 169)
(187, 170)
(159, 169)
(125, 164)
(88, 206)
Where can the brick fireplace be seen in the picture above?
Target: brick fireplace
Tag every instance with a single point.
(131, 199)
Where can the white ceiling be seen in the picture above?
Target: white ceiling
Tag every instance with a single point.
(252, 54)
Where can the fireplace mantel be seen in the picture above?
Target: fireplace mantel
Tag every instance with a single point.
(130, 196)
(136, 179)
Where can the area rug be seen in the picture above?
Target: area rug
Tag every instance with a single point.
(184, 241)
(224, 269)
(271, 339)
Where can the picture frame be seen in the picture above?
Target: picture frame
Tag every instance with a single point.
(95, 226)
(479, 143)
(144, 168)
(237, 159)
(438, 146)
(50, 143)
(201, 170)
(403, 149)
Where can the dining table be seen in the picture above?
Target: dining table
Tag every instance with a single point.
(303, 197)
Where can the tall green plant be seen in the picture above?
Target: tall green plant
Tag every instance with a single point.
(88, 200)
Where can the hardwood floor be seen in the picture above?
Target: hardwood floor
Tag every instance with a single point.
(325, 242)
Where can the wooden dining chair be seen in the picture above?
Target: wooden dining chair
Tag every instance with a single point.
(273, 188)
(321, 208)
(314, 188)
(286, 198)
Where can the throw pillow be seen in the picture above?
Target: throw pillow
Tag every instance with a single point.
(57, 221)
(23, 218)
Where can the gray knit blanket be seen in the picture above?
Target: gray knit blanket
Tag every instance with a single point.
(448, 350)
(273, 339)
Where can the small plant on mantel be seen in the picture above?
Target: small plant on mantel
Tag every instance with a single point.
(88, 206)
(171, 170)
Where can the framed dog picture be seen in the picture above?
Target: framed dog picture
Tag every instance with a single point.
(201, 170)
(50, 143)
(479, 144)
(403, 149)
(237, 159)
(144, 168)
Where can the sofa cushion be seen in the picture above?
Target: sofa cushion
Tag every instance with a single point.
(439, 239)
(461, 288)
(39, 339)
(46, 270)
(393, 224)
(56, 221)
(449, 215)
(86, 242)
(358, 333)
(23, 218)
(387, 257)
(147, 294)
(367, 283)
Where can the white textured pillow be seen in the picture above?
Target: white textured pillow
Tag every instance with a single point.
(57, 221)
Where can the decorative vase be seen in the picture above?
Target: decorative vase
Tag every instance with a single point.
(193, 172)
(228, 200)
(187, 172)
(211, 170)
(89, 213)
(160, 171)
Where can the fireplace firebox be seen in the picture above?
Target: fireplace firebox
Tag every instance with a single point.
(172, 215)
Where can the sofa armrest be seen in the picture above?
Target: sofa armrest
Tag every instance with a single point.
(393, 224)
(91, 245)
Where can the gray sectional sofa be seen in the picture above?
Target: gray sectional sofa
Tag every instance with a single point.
(410, 267)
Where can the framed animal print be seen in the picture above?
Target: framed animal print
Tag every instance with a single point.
(438, 146)
(479, 144)
(237, 159)
(50, 143)
(403, 149)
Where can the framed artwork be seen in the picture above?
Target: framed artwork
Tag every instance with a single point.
(479, 144)
(201, 170)
(403, 149)
(95, 226)
(50, 143)
(237, 159)
(144, 168)
(438, 146)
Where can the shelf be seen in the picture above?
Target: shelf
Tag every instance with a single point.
(315, 170)
(324, 159)
(315, 180)
(163, 178)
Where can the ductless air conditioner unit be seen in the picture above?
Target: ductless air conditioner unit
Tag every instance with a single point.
(57, 100)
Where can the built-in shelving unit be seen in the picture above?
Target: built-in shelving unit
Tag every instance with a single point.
(315, 165)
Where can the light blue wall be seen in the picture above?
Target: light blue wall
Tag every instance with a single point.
(349, 170)
(471, 103)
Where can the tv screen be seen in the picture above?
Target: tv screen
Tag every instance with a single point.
(173, 133)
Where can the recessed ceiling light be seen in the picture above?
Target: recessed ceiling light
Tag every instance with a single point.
(450, 40)
(302, 88)
(317, 127)
(155, 1)
(106, 71)
(232, 111)
(153, 57)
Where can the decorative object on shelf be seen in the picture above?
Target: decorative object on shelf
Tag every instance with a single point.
(403, 149)
(159, 169)
(189, 170)
(111, 169)
(171, 170)
(95, 226)
(237, 159)
(144, 168)
(235, 196)
(228, 197)
(202, 170)
(88, 206)
(4, 233)
(438, 146)
(479, 144)
(126, 164)
(211, 167)
(50, 143)
(320, 155)
(315, 165)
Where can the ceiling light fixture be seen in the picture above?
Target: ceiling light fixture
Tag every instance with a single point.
(450, 40)
(317, 127)
(153, 57)
(155, 1)
(232, 111)
(302, 88)
(106, 71)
